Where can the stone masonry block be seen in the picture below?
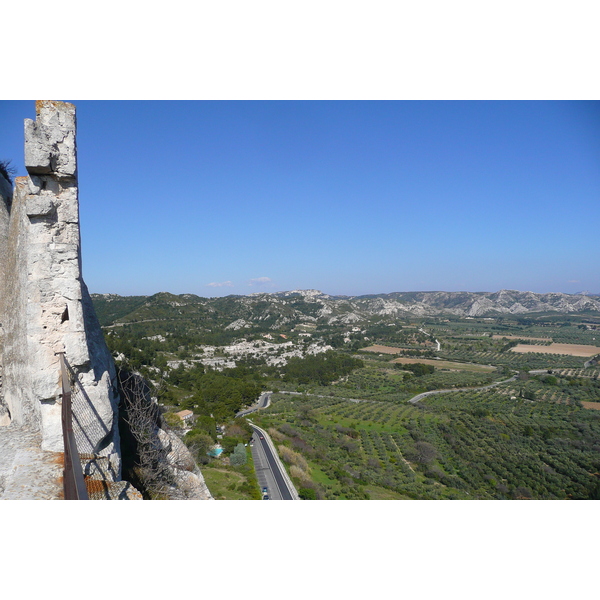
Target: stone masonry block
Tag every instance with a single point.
(39, 206)
(50, 146)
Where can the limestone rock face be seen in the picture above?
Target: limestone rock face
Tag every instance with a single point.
(189, 480)
(45, 307)
(178, 455)
(192, 485)
(50, 140)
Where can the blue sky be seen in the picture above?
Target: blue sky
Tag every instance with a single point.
(348, 197)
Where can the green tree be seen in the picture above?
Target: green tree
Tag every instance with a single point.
(172, 420)
(307, 494)
(199, 444)
(239, 456)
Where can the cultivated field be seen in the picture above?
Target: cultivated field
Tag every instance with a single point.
(464, 444)
(591, 405)
(521, 337)
(571, 349)
(382, 349)
(446, 364)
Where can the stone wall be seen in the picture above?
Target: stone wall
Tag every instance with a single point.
(45, 307)
(6, 194)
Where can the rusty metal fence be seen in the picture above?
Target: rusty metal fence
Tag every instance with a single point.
(73, 481)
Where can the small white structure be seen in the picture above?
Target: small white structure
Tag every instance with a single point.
(185, 415)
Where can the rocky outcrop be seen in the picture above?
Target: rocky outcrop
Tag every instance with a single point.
(45, 307)
(472, 304)
(188, 480)
(294, 308)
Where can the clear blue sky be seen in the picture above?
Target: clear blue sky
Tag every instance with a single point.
(348, 197)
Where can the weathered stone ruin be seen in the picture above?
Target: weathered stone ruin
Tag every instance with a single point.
(45, 309)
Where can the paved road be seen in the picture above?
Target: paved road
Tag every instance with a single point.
(319, 396)
(269, 470)
(263, 401)
(415, 399)
(271, 474)
(418, 397)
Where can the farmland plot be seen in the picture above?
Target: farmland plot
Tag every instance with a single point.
(468, 444)
(569, 349)
(446, 364)
(521, 337)
(382, 349)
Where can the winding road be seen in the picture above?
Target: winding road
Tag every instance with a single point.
(263, 401)
(270, 472)
(418, 397)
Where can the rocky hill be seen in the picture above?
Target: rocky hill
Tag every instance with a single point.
(281, 309)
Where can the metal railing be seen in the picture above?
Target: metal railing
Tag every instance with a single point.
(73, 482)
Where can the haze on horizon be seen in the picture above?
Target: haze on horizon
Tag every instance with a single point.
(347, 197)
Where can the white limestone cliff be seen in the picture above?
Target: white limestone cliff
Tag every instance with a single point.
(45, 307)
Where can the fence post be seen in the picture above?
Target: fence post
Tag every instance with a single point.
(73, 482)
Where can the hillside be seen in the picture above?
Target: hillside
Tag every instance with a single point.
(517, 374)
(273, 311)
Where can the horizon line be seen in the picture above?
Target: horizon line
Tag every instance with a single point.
(582, 293)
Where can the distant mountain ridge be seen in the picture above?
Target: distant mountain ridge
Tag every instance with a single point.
(279, 308)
